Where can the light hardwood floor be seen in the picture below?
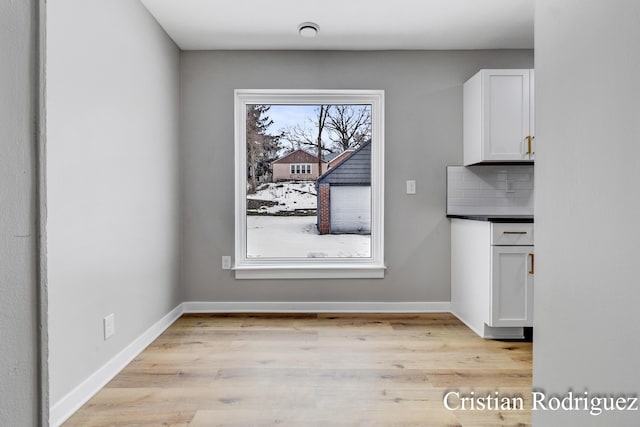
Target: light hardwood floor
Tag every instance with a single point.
(307, 370)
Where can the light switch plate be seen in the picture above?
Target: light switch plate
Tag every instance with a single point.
(411, 186)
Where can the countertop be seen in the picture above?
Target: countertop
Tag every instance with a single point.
(495, 218)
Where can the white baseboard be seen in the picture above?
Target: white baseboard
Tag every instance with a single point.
(61, 410)
(316, 307)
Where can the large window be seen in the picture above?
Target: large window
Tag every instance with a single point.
(295, 216)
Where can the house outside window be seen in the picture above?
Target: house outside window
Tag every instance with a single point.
(299, 164)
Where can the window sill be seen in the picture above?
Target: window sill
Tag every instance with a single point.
(306, 272)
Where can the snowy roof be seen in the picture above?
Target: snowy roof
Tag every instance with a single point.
(354, 170)
(298, 156)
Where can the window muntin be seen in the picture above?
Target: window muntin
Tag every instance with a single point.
(300, 169)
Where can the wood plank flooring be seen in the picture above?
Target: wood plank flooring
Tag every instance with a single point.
(308, 370)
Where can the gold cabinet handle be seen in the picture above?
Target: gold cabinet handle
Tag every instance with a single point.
(528, 138)
(530, 150)
(532, 270)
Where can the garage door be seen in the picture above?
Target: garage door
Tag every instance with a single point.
(351, 209)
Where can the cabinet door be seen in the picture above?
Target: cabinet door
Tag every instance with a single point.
(506, 115)
(512, 286)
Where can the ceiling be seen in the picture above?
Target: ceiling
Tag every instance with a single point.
(347, 24)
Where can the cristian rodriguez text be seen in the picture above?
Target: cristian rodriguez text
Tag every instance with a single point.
(595, 404)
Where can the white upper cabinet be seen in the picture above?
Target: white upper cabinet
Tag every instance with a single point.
(498, 117)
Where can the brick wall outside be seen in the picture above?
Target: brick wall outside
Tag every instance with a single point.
(323, 207)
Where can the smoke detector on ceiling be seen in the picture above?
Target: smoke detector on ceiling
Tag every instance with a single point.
(308, 29)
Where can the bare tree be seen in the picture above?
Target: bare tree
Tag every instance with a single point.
(300, 136)
(350, 125)
(323, 113)
(343, 126)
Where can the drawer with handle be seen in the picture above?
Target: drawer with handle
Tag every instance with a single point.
(511, 234)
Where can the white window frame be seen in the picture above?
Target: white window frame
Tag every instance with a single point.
(304, 168)
(308, 268)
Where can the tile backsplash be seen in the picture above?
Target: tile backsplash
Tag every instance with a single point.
(490, 190)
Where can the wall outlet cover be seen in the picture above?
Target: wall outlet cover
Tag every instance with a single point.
(109, 326)
(226, 262)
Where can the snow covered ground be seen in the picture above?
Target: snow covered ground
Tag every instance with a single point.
(273, 236)
(289, 196)
(297, 237)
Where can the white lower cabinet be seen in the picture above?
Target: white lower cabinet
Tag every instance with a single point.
(492, 269)
(511, 290)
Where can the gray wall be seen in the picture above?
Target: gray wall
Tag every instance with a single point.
(587, 204)
(112, 181)
(19, 393)
(423, 134)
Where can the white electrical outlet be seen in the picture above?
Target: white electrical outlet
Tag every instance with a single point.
(109, 326)
(411, 186)
(226, 262)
